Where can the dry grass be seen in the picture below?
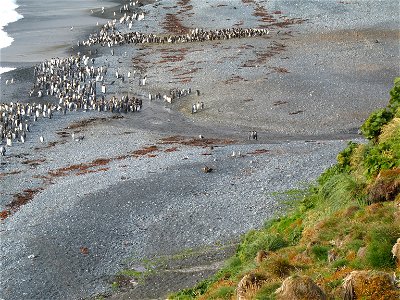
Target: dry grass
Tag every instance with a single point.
(390, 130)
(386, 186)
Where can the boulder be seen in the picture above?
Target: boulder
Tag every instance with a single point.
(299, 288)
(361, 252)
(332, 255)
(369, 285)
(396, 252)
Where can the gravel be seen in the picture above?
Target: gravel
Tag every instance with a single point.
(83, 226)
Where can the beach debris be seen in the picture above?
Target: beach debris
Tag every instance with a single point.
(396, 252)
(79, 138)
(41, 139)
(32, 256)
(84, 250)
(258, 151)
(296, 112)
(206, 169)
(2, 150)
(133, 282)
(279, 102)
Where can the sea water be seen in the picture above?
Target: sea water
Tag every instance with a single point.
(45, 30)
(8, 14)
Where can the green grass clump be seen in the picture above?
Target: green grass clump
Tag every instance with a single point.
(257, 240)
(280, 267)
(192, 293)
(382, 239)
(320, 252)
(266, 292)
(373, 125)
(223, 292)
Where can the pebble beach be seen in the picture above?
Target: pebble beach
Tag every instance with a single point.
(105, 189)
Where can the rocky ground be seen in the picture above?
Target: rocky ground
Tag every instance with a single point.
(133, 189)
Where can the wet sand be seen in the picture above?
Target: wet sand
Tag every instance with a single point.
(134, 189)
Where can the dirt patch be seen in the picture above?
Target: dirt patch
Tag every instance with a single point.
(19, 200)
(10, 173)
(172, 149)
(81, 169)
(263, 56)
(85, 123)
(196, 141)
(33, 162)
(172, 55)
(191, 71)
(258, 151)
(92, 171)
(263, 14)
(145, 151)
(280, 70)
(234, 79)
(173, 25)
(63, 133)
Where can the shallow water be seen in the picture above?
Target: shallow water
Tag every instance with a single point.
(8, 14)
(45, 29)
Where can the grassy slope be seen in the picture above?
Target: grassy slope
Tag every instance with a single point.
(351, 216)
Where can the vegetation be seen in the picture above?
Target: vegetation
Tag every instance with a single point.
(349, 220)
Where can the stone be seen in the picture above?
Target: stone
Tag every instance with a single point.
(369, 285)
(396, 252)
(361, 252)
(299, 288)
(332, 255)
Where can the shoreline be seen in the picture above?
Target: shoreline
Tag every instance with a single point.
(133, 187)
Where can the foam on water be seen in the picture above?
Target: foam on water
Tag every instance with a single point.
(8, 14)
